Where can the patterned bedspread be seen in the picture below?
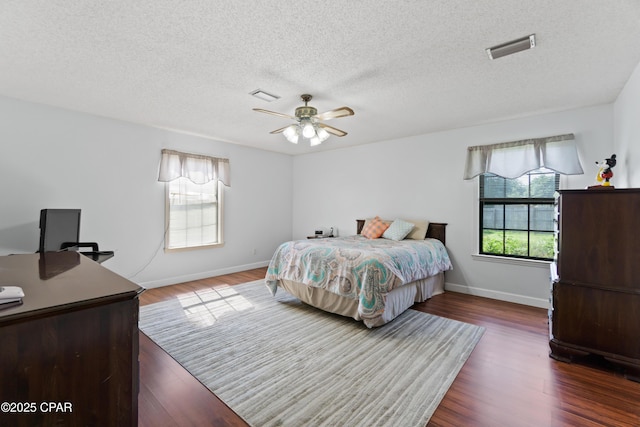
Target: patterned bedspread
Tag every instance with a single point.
(357, 267)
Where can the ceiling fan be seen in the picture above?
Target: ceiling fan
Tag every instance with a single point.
(309, 123)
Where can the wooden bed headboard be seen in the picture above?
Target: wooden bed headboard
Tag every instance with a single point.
(436, 230)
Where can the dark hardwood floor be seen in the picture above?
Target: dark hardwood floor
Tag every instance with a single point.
(509, 380)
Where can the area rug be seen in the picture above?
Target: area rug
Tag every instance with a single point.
(278, 362)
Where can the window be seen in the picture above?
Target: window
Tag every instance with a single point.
(193, 214)
(517, 215)
(194, 202)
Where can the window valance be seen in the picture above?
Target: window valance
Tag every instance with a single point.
(514, 159)
(198, 168)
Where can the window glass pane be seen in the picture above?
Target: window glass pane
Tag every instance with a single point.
(542, 217)
(543, 185)
(517, 188)
(193, 214)
(493, 187)
(516, 217)
(493, 216)
(541, 244)
(493, 242)
(516, 243)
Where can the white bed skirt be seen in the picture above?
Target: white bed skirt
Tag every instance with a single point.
(397, 301)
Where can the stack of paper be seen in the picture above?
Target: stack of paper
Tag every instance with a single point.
(10, 295)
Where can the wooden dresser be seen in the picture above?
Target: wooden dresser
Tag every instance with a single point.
(69, 353)
(595, 306)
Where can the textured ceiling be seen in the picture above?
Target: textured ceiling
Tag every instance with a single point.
(405, 67)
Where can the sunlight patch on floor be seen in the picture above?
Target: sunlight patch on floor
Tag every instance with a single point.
(206, 306)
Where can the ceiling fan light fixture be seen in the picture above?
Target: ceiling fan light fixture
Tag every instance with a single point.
(509, 48)
(322, 134)
(308, 123)
(291, 133)
(308, 131)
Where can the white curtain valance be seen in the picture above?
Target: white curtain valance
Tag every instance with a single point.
(198, 168)
(514, 159)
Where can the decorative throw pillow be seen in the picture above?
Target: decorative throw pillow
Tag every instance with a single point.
(419, 231)
(374, 228)
(398, 230)
(368, 220)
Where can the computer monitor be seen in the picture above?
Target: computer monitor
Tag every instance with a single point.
(58, 226)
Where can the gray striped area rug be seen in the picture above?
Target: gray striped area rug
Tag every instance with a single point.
(278, 362)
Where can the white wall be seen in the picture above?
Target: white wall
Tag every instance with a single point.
(421, 177)
(54, 158)
(627, 134)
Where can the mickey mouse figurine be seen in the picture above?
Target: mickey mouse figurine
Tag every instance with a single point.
(605, 173)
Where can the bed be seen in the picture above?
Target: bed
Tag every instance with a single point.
(372, 280)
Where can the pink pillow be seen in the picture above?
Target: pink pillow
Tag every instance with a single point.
(374, 228)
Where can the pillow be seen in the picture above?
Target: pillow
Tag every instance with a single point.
(419, 232)
(398, 230)
(368, 220)
(374, 228)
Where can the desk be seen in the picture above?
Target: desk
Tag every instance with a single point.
(72, 343)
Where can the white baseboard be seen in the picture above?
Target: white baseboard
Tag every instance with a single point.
(502, 296)
(202, 275)
(486, 293)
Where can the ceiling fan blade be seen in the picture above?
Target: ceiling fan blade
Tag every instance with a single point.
(273, 113)
(280, 130)
(334, 114)
(332, 130)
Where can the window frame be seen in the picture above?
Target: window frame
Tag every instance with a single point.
(220, 219)
(506, 201)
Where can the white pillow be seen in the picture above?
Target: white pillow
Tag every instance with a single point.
(398, 230)
(420, 230)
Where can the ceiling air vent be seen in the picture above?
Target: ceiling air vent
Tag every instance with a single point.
(514, 46)
(258, 93)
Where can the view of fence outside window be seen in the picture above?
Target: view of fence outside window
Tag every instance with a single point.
(517, 215)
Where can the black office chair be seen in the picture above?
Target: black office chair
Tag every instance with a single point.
(77, 245)
(60, 231)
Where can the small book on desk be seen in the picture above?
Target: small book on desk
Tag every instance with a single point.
(10, 296)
